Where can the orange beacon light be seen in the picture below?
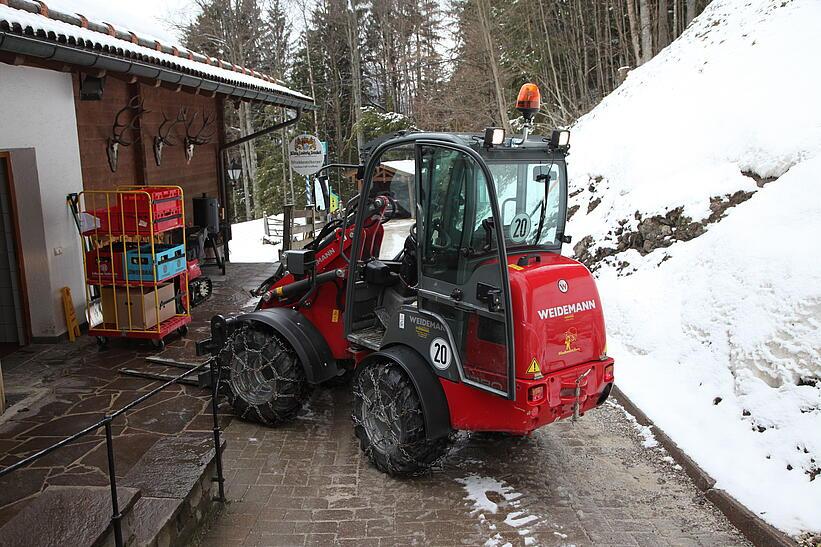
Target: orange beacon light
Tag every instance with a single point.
(529, 100)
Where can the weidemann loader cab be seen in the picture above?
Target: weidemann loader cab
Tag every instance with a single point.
(444, 291)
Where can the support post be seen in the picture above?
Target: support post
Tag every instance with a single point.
(112, 480)
(287, 224)
(214, 368)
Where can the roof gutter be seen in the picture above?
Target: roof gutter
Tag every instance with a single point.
(62, 53)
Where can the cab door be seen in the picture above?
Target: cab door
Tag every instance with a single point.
(463, 277)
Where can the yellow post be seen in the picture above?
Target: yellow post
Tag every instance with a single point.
(71, 317)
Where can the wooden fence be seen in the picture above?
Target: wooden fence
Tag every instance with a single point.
(297, 228)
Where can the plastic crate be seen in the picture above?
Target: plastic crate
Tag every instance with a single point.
(163, 202)
(106, 263)
(162, 205)
(167, 261)
(138, 224)
(96, 221)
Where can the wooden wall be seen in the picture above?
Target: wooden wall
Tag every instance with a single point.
(136, 163)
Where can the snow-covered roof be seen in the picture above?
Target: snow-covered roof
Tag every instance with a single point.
(403, 166)
(25, 26)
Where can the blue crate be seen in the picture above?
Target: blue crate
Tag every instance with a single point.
(168, 260)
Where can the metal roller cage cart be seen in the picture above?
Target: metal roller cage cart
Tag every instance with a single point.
(134, 261)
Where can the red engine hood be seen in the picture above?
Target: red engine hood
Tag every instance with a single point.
(557, 315)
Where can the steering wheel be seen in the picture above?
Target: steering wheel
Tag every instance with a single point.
(386, 216)
(443, 240)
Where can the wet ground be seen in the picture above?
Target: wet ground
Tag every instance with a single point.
(597, 482)
(590, 483)
(58, 389)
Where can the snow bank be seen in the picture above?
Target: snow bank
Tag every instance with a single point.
(718, 339)
(248, 243)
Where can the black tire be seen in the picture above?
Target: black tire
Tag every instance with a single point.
(389, 421)
(158, 343)
(102, 342)
(183, 330)
(262, 376)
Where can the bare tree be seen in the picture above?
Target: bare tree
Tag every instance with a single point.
(662, 36)
(646, 31)
(494, 67)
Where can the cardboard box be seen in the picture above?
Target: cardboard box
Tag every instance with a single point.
(142, 303)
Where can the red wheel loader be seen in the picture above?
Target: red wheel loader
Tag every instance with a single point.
(442, 291)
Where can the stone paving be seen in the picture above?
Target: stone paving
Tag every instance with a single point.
(589, 483)
(66, 387)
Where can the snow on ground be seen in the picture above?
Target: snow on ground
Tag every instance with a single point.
(477, 489)
(718, 339)
(248, 243)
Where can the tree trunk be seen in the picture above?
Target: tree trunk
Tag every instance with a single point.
(310, 66)
(690, 12)
(676, 30)
(356, 75)
(557, 88)
(249, 161)
(491, 54)
(663, 36)
(646, 31)
(634, 30)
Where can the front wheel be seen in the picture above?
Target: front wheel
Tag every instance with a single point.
(262, 376)
(390, 423)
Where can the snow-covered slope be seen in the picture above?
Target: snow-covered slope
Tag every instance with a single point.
(699, 182)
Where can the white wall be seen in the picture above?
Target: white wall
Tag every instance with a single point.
(39, 126)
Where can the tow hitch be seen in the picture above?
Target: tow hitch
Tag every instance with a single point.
(578, 393)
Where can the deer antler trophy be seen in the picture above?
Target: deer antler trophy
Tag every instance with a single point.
(164, 133)
(199, 137)
(119, 129)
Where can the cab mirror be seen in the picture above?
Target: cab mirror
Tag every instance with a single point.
(544, 173)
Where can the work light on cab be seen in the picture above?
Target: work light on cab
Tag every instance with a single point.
(494, 136)
(560, 139)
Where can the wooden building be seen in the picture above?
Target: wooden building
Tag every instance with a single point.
(63, 81)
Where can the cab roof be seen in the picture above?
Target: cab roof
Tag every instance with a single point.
(536, 146)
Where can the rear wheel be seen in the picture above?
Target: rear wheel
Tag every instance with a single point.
(261, 376)
(390, 423)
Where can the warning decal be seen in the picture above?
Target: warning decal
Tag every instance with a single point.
(534, 367)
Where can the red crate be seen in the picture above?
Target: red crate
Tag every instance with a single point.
(163, 205)
(97, 221)
(163, 202)
(103, 262)
(138, 224)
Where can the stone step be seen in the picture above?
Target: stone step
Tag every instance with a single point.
(175, 478)
(71, 515)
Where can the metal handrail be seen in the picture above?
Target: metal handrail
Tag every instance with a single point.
(106, 421)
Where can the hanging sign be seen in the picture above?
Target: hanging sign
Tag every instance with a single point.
(334, 199)
(305, 154)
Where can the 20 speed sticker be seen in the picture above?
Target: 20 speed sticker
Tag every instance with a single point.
(440, 353)
(520, 227)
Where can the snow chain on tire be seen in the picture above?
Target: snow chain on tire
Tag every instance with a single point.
(261, 376)
(389, 421)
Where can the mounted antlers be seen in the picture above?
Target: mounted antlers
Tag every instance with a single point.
(200, 137)
(164, 133)
(119, 129)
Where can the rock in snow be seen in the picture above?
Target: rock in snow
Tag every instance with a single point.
(719, 136)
